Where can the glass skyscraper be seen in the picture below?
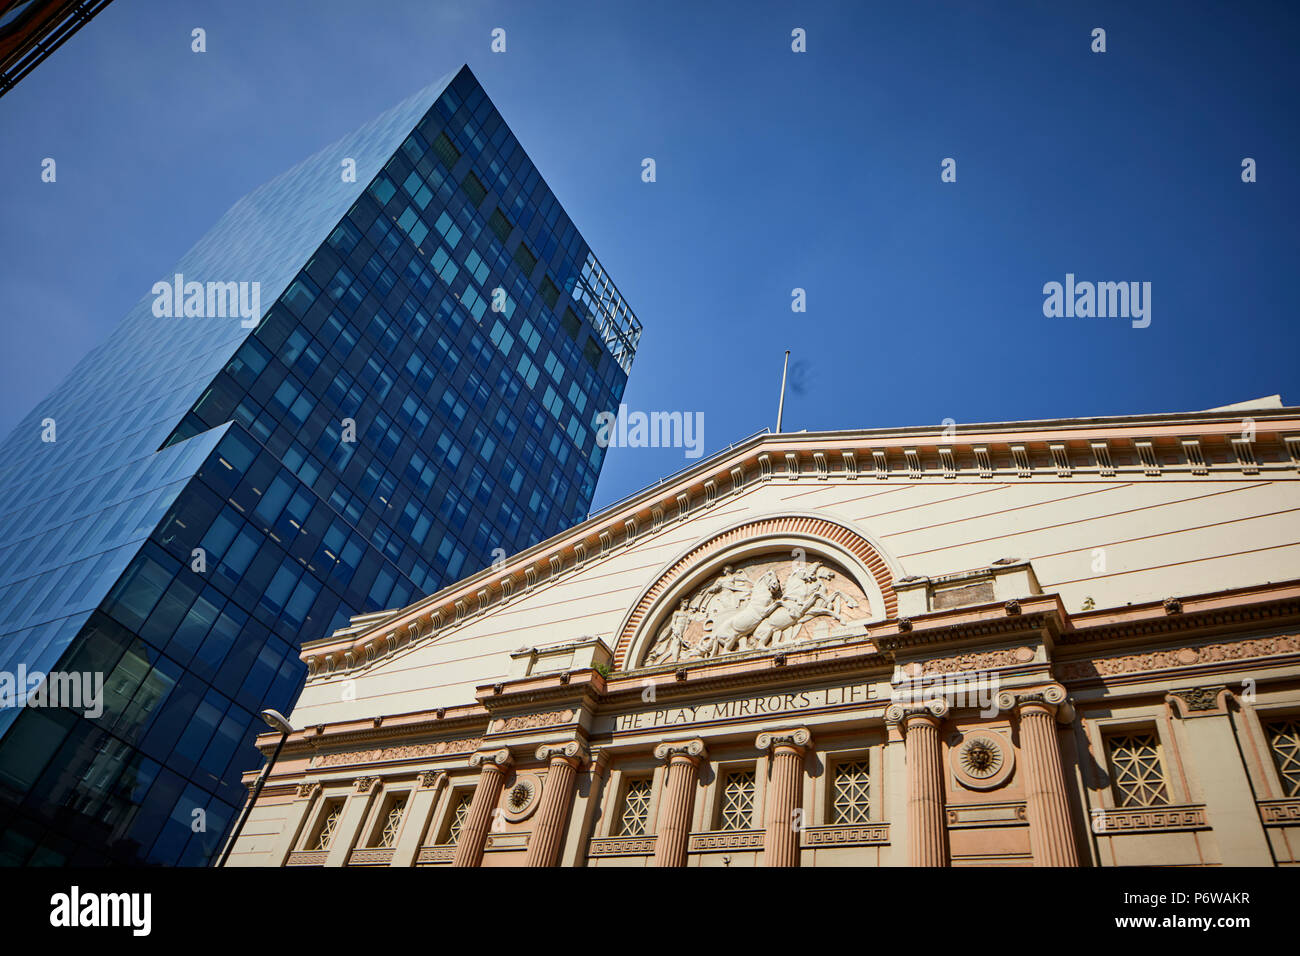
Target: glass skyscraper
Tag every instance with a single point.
(198, 497)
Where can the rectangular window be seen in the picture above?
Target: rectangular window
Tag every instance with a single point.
(499, 224)
(389, 822)
(456, 819)
(1137, 773)
(528, 370)
(1284, 744)
(473, 188)
(530, 336)
(549, 291)
(636, 808)
(448, 153)
(571, 324)
(323, 835)
(736, 809)
(851, 792)
(383, 189)
(525, 259)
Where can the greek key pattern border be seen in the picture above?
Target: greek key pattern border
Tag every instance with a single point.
(371, 856)
(307, 858)
(622, 846)
(715, 841)
(1149, 820)
(872, 834)
(1280, 813)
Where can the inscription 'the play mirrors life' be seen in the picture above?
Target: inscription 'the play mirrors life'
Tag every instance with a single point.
(760, 603)
(740, 707)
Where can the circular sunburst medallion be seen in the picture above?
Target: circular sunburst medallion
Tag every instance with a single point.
(520, 794)
(521, 797)
(980, 757)
(981, 761)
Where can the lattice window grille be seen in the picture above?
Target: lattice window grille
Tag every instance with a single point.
(1284, 742)
(394, 823)
(851, 799)
(326, 836)
(738, 800)
(636, 809)
(458, 816)
(1137, 776)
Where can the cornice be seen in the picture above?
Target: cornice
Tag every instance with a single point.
(1273, 605)
(574, 688)
(377, 731)
(1043, 614)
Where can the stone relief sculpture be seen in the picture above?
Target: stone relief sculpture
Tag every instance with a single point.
(751, 608)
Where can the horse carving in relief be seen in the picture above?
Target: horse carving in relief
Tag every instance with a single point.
(762, 601)
(804, 597)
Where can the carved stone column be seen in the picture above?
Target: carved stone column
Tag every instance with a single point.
(473, 835)
(926, 824)
(1051, 835)
(557, 799)
(784, 788)
(684, 758)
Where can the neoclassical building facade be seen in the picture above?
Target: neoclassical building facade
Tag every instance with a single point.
(1056, 643)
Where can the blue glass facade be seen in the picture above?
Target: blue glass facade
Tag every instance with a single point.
(420, 391)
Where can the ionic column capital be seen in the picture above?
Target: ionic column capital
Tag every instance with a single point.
(796, 738)
(689, 750)
(1051, 699)
(930, 712)
(500, 758)
(571, 752)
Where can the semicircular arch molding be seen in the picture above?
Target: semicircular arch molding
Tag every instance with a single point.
(819, 536)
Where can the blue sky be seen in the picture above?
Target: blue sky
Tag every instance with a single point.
(775, 170)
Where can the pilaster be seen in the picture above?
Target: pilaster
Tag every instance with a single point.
(557, 800)
(487, 793)
(684, 758)
(1051, 835)
(784, 786)
(927, 828)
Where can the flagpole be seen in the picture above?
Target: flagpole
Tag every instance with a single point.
(780, 408)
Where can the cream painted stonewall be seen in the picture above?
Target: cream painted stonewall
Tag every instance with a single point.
(1069, 642)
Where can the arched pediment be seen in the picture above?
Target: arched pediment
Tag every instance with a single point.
(761, 585)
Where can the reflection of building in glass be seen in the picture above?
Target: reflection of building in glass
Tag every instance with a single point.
(30, 30)
(1042, 643)
(214, 494)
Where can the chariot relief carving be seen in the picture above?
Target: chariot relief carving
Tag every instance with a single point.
(759, 603)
